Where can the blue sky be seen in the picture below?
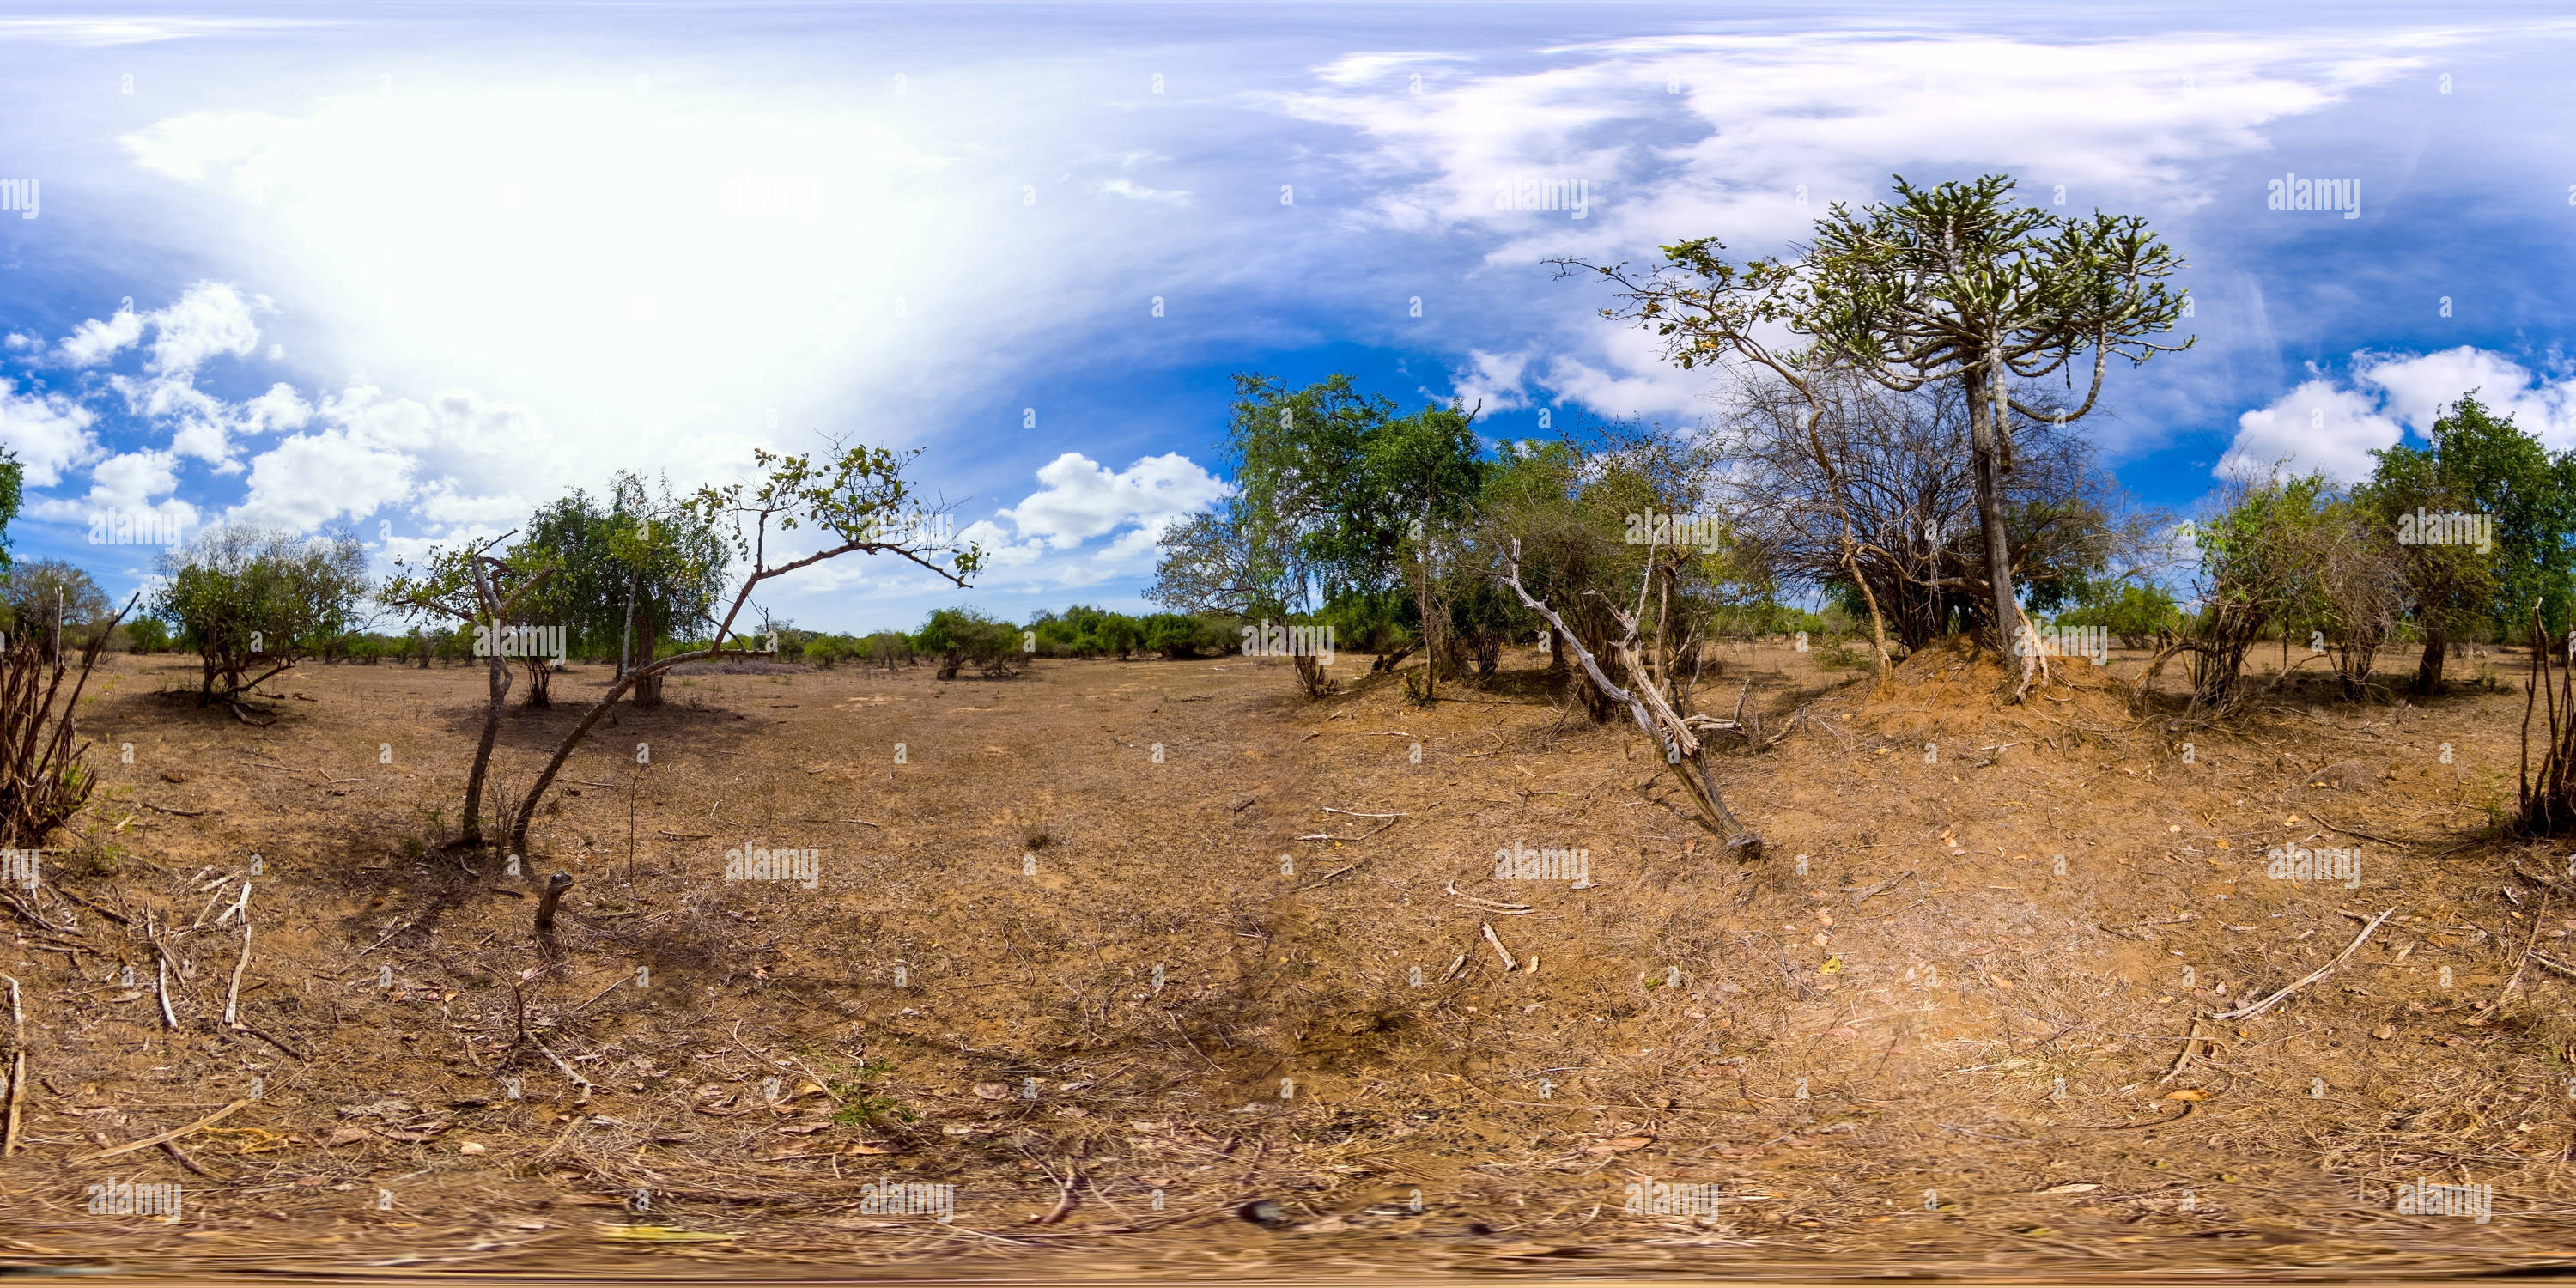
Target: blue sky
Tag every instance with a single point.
(426, 267)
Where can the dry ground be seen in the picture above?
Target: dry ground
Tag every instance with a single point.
(1160, 1014)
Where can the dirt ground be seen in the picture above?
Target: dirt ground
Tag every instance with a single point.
(1169, 971)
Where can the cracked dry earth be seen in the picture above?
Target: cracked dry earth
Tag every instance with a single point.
(1233, 1007)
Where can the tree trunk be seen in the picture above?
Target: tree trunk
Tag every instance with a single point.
(498, 669)
(648, 690)
(1983, 437)
(1883, 677)
(2428, 671)
(540, 678)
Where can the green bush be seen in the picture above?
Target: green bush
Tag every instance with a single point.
(958, 636)
(2136, 616)
(147, 635)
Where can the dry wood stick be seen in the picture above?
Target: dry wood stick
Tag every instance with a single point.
(2245, 1012)
(1499, 950)
(17, 1068)
(232, 995)
(172, 1134)
(161, 964)
(2183, 1061)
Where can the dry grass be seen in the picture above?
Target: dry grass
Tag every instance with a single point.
(997, 922)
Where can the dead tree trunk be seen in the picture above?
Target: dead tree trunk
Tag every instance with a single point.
(1683, 752)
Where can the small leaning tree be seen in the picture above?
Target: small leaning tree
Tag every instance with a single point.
(1945, 284)
(857, 497)
(483, 593)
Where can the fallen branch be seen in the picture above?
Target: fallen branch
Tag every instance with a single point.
(17, 1068)
(2246, 1012)
(1507, 909)
(559, 1063)
(2183, 1061)
(173, 1134)
(232, 995)
(164, 809)
(1499, 950)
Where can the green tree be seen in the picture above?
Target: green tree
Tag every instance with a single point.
(1420, 477)
(12, 477)
(253, 603)
(486, 594)
(1945, 284)
(2481, 464)
(47, 597)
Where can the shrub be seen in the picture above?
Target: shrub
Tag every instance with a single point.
(957, 636)
(2137, 616)
(254, 601)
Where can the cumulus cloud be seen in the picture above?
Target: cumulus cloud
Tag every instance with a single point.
(95, 341)
(312, 478)
(2331, 425)
(1080, 499)
(1495, 380)
(2317, 426)
(48, 433)
(210, 318)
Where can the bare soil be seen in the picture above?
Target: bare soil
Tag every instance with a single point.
(1169, 971)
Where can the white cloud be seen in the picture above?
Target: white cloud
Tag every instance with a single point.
(95, 341)
(1081, 498)
(49, 433)
(279, 408)
(312, 478)
(1123, 188)
(208, 319)
(2419, 388)
(2331, 426)
(1724, 130)
(1495, 380)
(2316, 426)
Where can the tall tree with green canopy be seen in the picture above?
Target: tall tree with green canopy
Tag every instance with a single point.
(12, 477)
(1419, 477)
(2480, 463)
(1286, 540)
(1335, 495)
(1945, 284)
